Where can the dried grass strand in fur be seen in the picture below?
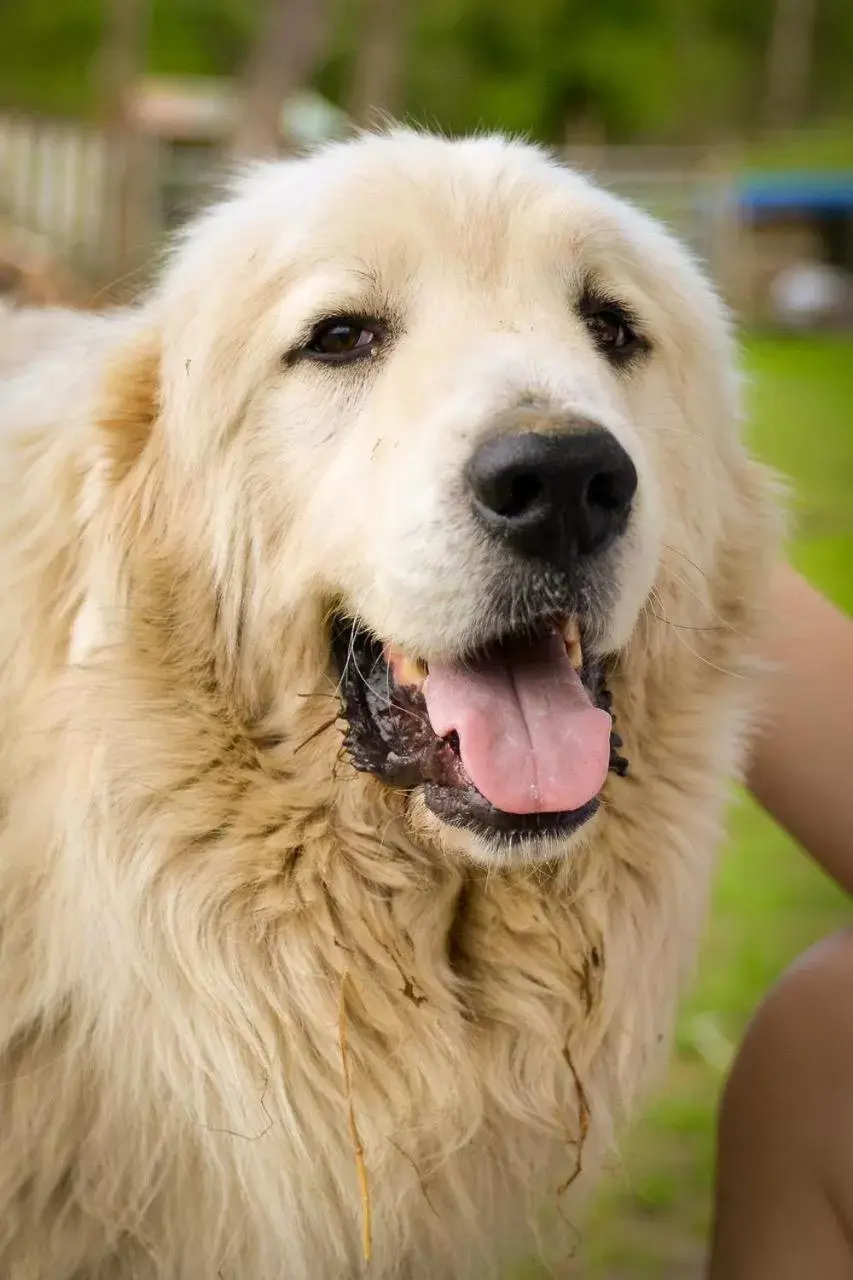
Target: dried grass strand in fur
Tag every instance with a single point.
(358, 1148)
(327, 724)
(584, 1116)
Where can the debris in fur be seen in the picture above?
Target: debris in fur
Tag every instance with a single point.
(585, 977)
(409, 990)
(358, 1148)
(584, 1116)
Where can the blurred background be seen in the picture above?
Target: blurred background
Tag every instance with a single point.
(730, 119)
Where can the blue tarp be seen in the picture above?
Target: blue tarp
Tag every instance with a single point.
(797, 193)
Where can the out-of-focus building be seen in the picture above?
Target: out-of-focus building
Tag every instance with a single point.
(56, 175)
(187, 122)
(795, 248)
(779, 245)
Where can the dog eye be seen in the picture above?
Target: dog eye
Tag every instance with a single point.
(344, 338)
(611, 330)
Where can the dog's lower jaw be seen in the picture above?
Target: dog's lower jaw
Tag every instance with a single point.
(488, 850)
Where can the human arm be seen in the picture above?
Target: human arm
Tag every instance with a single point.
(802, 766)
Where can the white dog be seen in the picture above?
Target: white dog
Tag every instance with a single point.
(335, 918)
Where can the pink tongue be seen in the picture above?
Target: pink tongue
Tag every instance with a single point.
(529, 737)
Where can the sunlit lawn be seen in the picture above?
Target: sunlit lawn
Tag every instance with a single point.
(770, 901)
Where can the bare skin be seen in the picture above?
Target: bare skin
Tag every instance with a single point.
(801, 768)
(784, 1202)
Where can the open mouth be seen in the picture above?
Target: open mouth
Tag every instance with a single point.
(514, 741)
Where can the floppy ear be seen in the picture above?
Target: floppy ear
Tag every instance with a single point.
(130, 400)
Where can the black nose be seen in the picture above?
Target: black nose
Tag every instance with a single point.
(558, 496)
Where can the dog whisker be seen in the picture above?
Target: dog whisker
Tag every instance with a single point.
(723, 623)
(735, 675)
(675, 551)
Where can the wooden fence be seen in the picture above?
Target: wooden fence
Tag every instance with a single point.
(56, 179)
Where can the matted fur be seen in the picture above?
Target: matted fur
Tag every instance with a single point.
(189, 871)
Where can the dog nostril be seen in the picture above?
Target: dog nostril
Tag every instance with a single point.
(522, 493)
(604, 491)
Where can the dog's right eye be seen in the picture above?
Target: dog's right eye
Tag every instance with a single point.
(343, 339)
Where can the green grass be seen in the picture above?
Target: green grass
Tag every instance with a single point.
(828, 148)
(770, 902)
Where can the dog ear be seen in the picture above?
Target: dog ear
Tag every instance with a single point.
(130, 401)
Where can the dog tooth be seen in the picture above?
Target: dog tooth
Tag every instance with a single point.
(571, 630)
(572, 635)
(410, 672)
(407, 671)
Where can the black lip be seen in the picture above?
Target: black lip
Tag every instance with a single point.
(389, 736)
(469, 810)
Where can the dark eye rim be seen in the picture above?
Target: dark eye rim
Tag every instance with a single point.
(344, 319)
(594, 306)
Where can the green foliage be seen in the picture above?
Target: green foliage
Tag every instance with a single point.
(49, 48)
(827, 148)
(200, 37)
(668, 70)
(46, 53)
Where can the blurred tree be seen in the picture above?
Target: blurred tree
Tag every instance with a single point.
(379, 59)
(789, 61)
(119, 62)
(120, 58)
(832, 81)
(615, 70)
(202, 37)
(49, 48)
(290, 39)
(668, 70)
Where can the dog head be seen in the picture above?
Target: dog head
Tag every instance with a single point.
(456, 406)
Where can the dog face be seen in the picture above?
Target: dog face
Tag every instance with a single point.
(460, 401)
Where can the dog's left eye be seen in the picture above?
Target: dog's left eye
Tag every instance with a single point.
(344, 338)
(611, 330)
(612, 327)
